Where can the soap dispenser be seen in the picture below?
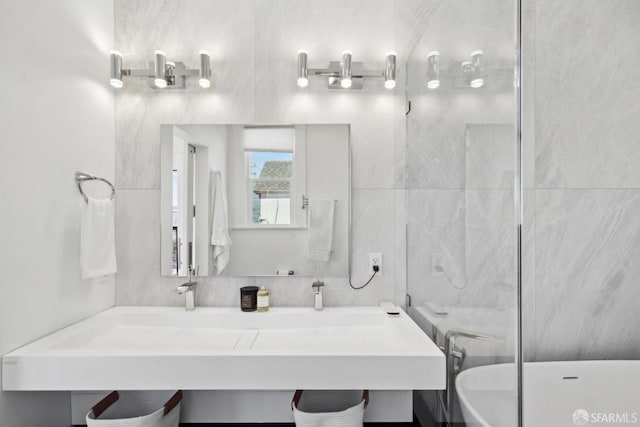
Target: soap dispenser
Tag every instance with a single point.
(263, 299)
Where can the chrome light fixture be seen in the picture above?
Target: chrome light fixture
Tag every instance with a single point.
(205, 70)
(473, 70)
(467, 71)
(303, 71)
(345, 69)
(433, 70)
(390, 70)
(477, 79)
(160, 66)
(115, 59)
(345, 74)
(162, 73)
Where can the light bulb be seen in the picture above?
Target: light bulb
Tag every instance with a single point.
(476, 83)
(117, 83)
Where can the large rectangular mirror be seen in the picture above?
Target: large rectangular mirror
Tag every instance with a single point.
(247, 200)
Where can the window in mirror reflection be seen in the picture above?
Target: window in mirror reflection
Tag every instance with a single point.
(274, 177)
(270, 187)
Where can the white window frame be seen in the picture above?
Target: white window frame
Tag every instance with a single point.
(298, 184)
(250, 181)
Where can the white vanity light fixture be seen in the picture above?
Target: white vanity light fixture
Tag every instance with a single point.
(390, 70)
(345, 74)
(476, 77)
(345, 69)
(161, 73)
(303, 71)
(205, 70)
(433, 70)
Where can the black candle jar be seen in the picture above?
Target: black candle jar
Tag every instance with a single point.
(249, 298)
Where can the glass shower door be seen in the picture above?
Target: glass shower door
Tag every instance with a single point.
(461, 227)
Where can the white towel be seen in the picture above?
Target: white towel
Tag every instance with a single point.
(321, 219)
(220, 238)
(97, 241)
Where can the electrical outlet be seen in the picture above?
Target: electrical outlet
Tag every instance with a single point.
(375, 259)
(437, 265)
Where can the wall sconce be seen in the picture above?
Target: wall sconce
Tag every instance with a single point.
(162, 73)
(303, 72)
(346, 74)
(433, 70)
(473, 70)
(345, 69)
(116, 69)
(390, 70)
(162, 70)
(205, 70)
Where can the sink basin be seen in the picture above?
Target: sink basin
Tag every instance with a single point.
(224, 348)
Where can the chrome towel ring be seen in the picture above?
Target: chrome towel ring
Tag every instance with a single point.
(82, 177)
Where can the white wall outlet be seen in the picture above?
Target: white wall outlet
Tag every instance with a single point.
(375, 259)
(437, 264)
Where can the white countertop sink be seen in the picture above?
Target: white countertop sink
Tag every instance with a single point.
(211, 348)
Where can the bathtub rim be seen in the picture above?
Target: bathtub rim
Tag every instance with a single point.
(464, 401)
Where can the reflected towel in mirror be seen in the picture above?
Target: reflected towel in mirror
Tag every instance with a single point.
(97, 241)
(220, 238)
(321, 221)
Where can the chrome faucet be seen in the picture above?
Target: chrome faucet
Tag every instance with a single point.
(455, 358)
(189, 291)
(317, 295)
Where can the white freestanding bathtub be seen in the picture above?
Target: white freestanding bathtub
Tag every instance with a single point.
(555, 394)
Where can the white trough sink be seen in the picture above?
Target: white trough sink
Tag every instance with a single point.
(223, 348)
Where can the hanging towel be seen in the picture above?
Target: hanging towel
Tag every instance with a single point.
(97, 241)
(220, 239)
(321, 218)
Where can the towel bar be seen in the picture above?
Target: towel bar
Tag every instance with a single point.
(81, 177)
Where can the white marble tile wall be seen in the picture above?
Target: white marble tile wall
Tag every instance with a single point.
(587, 246)
(587, 149)
(587, 94)
(253, 45)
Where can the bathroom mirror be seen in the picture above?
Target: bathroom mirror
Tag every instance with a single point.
(248, 200)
